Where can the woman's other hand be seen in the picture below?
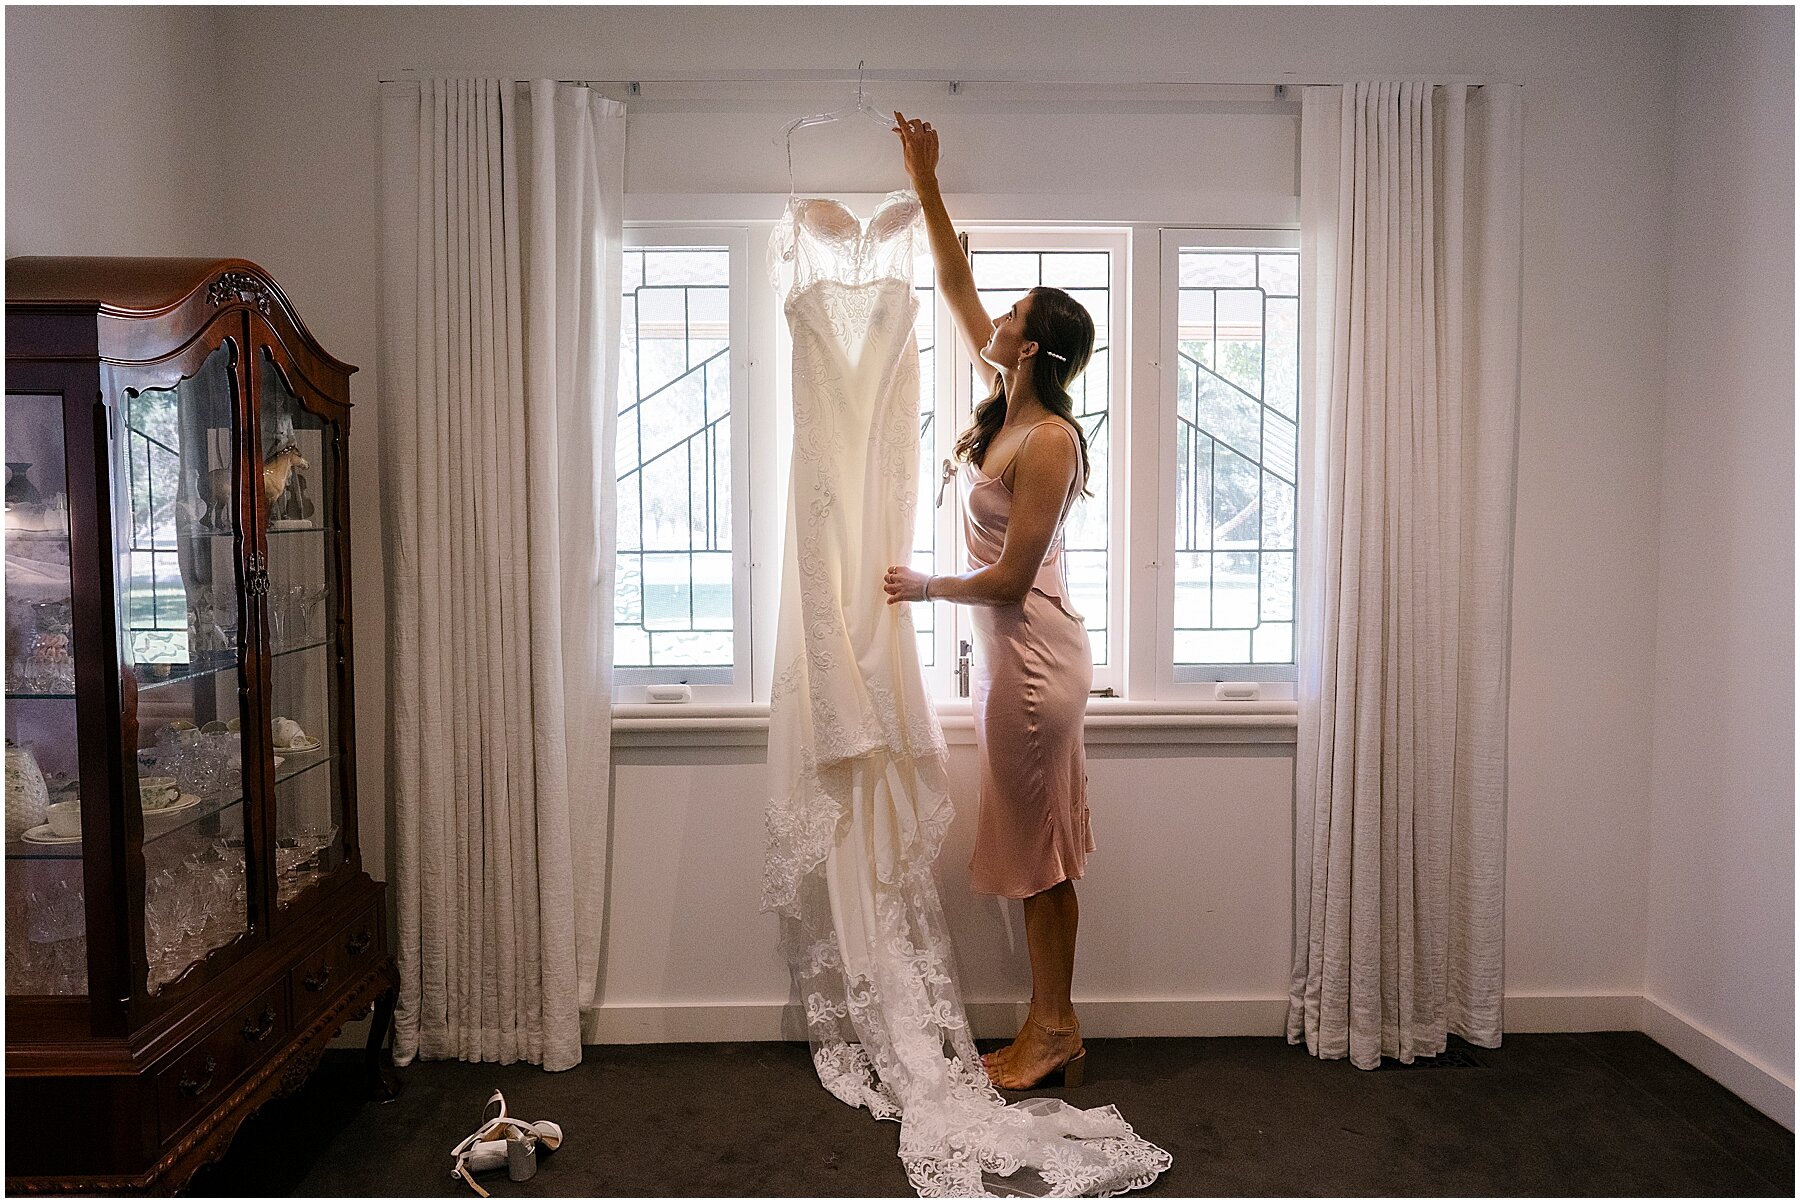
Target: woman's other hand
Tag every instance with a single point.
(903, 584)
(919, 144)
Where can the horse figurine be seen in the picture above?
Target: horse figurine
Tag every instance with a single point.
(279, 468)
(218, 500)
(278, 472)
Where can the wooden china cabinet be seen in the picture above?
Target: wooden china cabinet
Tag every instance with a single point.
(188, 922)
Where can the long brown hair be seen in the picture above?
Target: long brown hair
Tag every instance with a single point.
(1055, 321)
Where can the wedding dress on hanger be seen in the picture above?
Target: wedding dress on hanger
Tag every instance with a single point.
(859, 797)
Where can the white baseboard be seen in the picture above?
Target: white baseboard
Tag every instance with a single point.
(1758, 1085)
(1100, 1018)
(1763, 1087)
(1570, 1012)
(990, 1020)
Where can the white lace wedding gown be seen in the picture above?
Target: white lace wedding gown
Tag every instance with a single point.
(859, 801)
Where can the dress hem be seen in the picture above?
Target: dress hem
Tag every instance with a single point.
(973, 889)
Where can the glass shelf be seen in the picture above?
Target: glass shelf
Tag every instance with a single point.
(304, 647)
(295, 763)
(188, 672)
(185, 672)
(21, 850)
(155, 828)
(165, 541)
(191, 533)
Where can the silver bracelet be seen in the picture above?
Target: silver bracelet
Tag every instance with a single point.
(928, 581)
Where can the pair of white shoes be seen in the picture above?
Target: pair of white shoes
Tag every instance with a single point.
(503, 1141)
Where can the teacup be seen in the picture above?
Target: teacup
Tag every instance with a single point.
(157, 792)
(65, 818)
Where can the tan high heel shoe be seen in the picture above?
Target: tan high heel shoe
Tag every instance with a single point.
(1071, 1073)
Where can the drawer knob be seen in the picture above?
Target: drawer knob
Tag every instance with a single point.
(317, 980)
(257, 1030)
(195, 1087)
(355, 944)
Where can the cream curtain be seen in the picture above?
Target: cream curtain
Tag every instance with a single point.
(1410, 220)
(499, 362)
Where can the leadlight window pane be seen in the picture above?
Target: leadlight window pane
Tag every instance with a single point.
(673, 601)
(1003, 277)
(1236, 446)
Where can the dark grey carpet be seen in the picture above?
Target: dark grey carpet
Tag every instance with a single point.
(1592, 1114)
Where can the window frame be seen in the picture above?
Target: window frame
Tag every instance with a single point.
(714, 685)
(1198, 682)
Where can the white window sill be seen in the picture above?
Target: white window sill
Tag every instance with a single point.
(1109, 721)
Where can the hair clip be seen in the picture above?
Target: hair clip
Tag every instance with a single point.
(1058, 358)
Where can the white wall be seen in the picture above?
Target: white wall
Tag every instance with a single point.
(1194, 841)
(687, 877)
(1720, 940)
(114, 132)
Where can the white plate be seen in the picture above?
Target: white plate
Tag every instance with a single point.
(185, 802)
(41, 834)
(312, 746)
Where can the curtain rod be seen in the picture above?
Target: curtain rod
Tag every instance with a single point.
(955, 82)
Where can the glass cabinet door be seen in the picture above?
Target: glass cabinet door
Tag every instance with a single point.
(300, 478)
(181, 622)
(46, 915)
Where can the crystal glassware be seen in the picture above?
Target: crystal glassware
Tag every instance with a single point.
(49, 658)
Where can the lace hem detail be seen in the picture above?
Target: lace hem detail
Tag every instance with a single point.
(801, 828)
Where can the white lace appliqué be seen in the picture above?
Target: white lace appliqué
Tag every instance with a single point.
(859, 799)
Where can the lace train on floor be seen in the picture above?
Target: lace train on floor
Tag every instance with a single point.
(867, 944)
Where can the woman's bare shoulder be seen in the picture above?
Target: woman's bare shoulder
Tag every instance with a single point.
(1048, 456)
(1059, 448)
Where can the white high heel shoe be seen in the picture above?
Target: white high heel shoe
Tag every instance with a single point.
(503, 1141)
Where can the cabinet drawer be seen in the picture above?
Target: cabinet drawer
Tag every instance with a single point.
(196, 1081)
(261, 1025)
(344, 956)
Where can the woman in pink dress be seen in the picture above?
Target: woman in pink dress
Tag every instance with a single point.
(1025, 461)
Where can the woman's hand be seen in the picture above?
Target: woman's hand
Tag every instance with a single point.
(919, 143)
(903, 584)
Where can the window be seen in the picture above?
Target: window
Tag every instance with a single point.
(1183, 560)
(1231, 408)
(680, 611)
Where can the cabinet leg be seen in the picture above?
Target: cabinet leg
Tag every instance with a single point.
(384, 1082)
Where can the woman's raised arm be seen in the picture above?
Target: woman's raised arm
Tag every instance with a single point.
(955, 280)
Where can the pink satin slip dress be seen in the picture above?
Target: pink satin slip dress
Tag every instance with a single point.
(1028, 692)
